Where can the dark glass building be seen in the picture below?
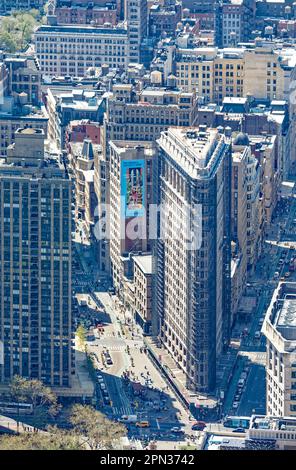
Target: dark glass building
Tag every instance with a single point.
(35, 263)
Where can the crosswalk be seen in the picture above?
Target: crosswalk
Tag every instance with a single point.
(108, 335)
(115, 347)
(122, 410)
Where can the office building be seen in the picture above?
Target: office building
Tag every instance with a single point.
(20, 97)
(279, 328)
(133, 179)
(237, 21)
(7, 6)
(164, 19)
(102, 191)
(273, 432)
(143, 115)
(24, 77)
(137, 20)
(239, 223)
(64, 106)
(143, 291)
(73, 49)
(81, 157)
(199, 6)
(35, 263)
(262, 70)
(254, 194)
(194, 251)
(84, 12)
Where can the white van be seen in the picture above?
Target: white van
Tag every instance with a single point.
(128, 419)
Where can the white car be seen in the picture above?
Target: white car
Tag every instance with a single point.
(235, 405)
(176, 429)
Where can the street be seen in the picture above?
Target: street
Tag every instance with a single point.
(273, 266)
(129, 384)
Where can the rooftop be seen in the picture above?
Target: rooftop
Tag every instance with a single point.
(273, 423)
(196, 150)
(287, 314)
(70, 29)
(145, 263)
(29, 131)
(133, 146)
(282, 311)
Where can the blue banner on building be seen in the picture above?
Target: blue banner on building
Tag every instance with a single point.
(132, 183)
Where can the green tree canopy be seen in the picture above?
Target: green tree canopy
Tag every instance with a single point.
(98, 431)
(91, 430)
(55, 439)
(42, 398)
(81, 335)
(17, 29)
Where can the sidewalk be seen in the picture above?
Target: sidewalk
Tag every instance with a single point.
(11, 425)
(177, 379)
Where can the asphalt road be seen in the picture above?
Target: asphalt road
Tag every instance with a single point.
(254, 395)
(116, 338)
(252, 351)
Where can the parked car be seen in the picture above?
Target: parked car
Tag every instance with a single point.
(241, 382)
(176, 430)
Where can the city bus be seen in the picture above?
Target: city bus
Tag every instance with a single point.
(237, 422)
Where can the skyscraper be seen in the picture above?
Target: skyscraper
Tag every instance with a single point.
(35, 263)
(193, 285)
(136, 15)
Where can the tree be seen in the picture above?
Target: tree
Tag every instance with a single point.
(7, 42)
(17, 29)
(43, 399)
(98, 431)
(54, 439)
(26, 24)
(81, 336)
(90, 430)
